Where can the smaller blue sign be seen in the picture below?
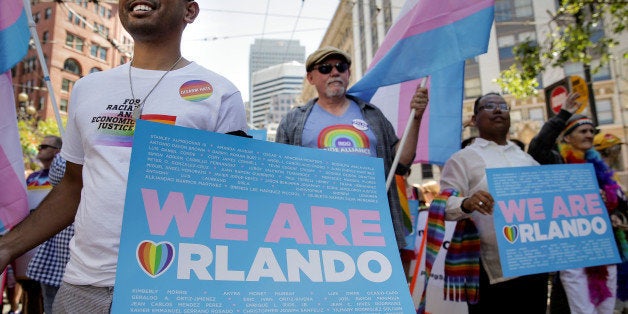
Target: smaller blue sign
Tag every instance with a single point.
(550, 218)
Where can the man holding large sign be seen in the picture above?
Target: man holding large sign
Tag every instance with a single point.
(342, 123)
(464, 174)
(158, 85)
(223, 224)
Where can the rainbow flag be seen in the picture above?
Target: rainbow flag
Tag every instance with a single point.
(14, 38)
(429, 38)
(403, 199)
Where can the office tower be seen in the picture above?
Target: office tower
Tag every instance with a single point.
(275, 91)
(265, 53)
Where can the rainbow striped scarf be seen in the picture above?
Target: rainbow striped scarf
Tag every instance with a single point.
(462, 264)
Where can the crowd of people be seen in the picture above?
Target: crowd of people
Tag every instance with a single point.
(565, 138)
(90, 170)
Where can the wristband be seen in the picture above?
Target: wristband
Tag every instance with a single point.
(464, 210)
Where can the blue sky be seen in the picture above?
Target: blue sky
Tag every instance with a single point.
(221, 36)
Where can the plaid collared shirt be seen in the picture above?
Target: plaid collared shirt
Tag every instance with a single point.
(48, 265)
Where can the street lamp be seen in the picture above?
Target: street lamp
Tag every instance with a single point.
(22, 97)
(31, 110)
(26, 110)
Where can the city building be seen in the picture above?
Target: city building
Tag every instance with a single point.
(518, 21)
(77, 38)
(265, 53)
(358, 27)
(274, 91)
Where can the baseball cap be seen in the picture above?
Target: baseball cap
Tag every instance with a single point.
(605, 140)
(322, 54)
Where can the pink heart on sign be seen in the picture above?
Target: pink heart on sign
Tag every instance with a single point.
(155, 258)
(511, 233)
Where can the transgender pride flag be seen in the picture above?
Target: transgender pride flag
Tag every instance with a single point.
(14, 34)
(429, 38)
(14, 38)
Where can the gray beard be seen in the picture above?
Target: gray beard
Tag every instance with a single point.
(335, 92)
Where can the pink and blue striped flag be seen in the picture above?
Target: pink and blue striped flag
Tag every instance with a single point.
(14, 33)
(14, 38)
(429, 38)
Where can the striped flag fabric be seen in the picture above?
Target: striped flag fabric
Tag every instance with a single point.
(14, 38)
(14, 33)
(429, 38)
(400, 182)
(13, 201)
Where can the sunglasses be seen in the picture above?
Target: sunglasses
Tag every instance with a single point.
(326, 68)
(490, 106)
(44, 146)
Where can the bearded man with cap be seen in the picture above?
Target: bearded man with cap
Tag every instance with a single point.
(589, 289)
(328, 69)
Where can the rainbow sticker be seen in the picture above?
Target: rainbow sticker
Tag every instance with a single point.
(342, 136)
(511, 233)
(196, 90)
(160, 118)
(155, 258)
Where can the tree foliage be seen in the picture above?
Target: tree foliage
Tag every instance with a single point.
(574, 36)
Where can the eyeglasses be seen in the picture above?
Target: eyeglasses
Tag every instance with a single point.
(44, 146)
(490, 106)
(325, 68)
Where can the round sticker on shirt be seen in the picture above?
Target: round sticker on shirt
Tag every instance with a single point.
(196, 90)
(360, 124)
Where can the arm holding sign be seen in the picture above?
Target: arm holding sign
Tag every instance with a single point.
(463, 174)
(55, 212)
(480, 201)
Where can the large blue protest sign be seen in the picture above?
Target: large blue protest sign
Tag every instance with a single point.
(550, 218)
(223, 224)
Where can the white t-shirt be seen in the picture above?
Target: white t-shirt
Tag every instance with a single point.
(99, 136)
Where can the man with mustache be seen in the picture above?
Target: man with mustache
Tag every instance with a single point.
(328, 69)
(470, 203)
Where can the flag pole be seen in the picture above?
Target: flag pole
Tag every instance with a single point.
(33, 30)
(391, 173)
(418, 259)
